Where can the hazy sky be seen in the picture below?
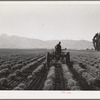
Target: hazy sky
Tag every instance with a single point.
(50, 20)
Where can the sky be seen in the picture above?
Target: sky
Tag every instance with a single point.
(50, 20)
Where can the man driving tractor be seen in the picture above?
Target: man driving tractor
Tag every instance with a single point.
(58, 54)
(58, 51)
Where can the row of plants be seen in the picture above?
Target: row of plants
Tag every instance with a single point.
(70, 82)
(50, 80)
(84, 74)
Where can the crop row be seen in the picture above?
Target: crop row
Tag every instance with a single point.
(70, 82)
(20, 75)
(50, 81)
(6, 70)
(85, 75)
(86, 58)
(26, 84)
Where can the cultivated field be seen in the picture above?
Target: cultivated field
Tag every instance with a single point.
(27, 70)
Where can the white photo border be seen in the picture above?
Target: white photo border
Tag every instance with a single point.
(51, 94)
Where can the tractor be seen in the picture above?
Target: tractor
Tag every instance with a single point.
(63, 57)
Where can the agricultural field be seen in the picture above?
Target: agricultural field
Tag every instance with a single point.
(28, 70)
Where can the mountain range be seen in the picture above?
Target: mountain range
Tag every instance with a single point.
(17, 42)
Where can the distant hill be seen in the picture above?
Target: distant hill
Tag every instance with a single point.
(13, 42)
(21, 42)
(73, 44)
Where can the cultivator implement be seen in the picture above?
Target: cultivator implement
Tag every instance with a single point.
(52, 57)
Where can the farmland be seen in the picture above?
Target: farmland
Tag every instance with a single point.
(27, 70)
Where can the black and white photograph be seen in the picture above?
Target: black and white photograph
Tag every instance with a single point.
(49, 46)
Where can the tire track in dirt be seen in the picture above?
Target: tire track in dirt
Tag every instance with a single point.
(59, 81)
